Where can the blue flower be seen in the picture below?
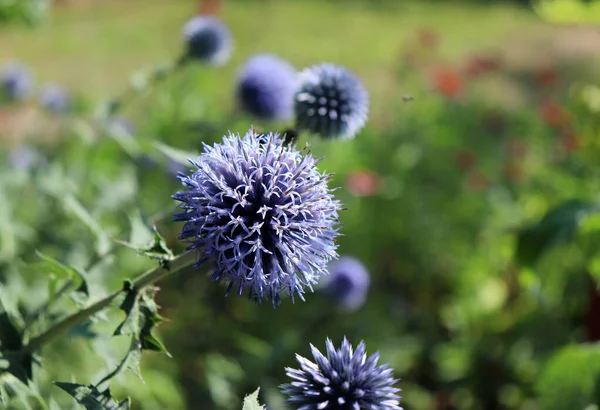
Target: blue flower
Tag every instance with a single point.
(347, 282)
(24, 158)
(266, 87)
(55, 98)
(208, 40)
(262, 213)
(16, 81)
(342, 380)
(331, 102)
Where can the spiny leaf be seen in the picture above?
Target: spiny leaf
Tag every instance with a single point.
(93, 399)
(14, 361)
(149, 319)
(251, 402)
(131, 307)
(556, 227)
(157, 248)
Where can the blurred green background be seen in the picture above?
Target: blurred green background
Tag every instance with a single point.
(476, 301)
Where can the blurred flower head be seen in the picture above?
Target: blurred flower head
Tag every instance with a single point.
(447, 82)
(345, 379)
(428, 38)
(363, 183)
(55, 98)
(331, 102)
(16, 81)
(120, 127)
(266, 87)
(208, 40)
(478, 65)
(262, 213)
(347, 282)
(23, 158)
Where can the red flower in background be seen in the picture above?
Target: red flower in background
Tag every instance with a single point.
(363, 183)
(209, 7)
(447, 82)
(477, 65)
(546, 76)
(428, 38)
(553, 113)
(466, 160)
(570, 141)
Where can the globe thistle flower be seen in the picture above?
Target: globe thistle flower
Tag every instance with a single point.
(208, 40)
(347, 282)
(266, 87)
(16, 82)
(262, 213)
(342, 380)
(55, 98)
(330, 102)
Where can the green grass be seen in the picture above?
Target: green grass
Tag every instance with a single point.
(94, 48)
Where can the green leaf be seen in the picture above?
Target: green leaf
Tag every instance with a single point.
(251, 402)
(558, 226)
(157, 249)
(13, 360)
(571, 378)
(103, 244)
(62, 272)
(93, 399)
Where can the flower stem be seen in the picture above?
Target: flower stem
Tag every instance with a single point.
(146, 279)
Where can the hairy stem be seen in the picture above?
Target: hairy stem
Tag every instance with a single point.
(150, 277)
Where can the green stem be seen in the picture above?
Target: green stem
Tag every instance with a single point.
(155, 77)
(146, 279)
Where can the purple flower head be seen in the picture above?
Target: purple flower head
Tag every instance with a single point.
(266, 87)
(16, 81)
(55, 98)
(262, 213)
(347, 282)
(208, 40)
(24, 158)
(344, 380)
(331, 102)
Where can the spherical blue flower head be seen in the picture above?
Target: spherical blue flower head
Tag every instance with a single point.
(344, 380)
(17, 82)
(331, 102)
(55, 98)
(266, 87)
(208, 40)
(262, 213)
(347, 282)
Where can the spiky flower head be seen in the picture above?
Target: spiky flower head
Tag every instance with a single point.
(208, 40)
(344, 380)
(347, 282)
(266, 87)
(16, 82)
(262, 213)
(331, 102)
(55, 98)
